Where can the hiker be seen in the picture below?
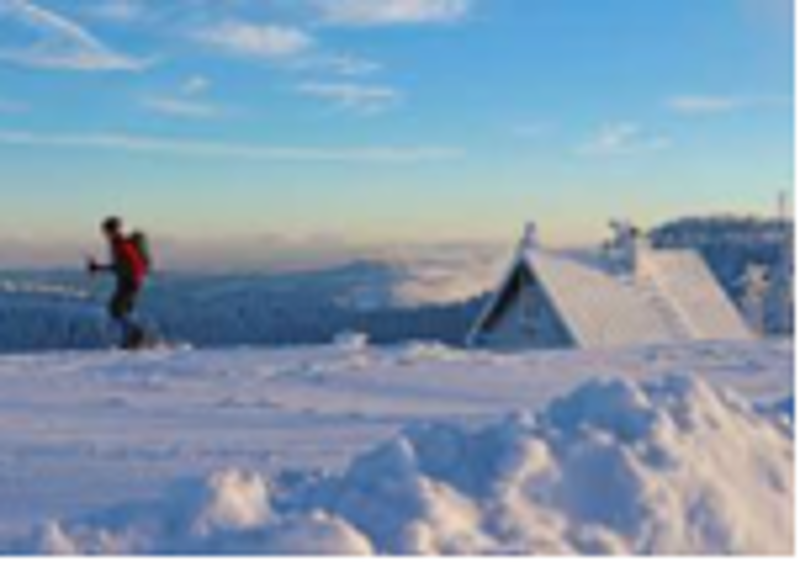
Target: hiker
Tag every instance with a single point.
(129, 265)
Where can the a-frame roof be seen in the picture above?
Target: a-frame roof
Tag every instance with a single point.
(675, 299)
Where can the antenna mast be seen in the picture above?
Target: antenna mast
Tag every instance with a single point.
(783, 207)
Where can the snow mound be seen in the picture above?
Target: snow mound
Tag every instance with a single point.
(230, 513)
(351, 341)
(616, 467)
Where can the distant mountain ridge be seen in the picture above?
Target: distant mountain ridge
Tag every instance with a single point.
(401, 298)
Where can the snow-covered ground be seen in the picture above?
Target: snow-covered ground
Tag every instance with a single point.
(415, 449)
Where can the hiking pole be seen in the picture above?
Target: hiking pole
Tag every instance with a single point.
(95, 302)
(91, 294)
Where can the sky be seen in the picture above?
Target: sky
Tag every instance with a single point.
(236, 125)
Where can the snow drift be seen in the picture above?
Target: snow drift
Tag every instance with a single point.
(675, 466)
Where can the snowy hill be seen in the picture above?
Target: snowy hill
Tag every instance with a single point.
(411, 449)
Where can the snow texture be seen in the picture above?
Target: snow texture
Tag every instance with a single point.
(615, 467)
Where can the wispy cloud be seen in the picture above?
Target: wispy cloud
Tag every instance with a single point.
(195, 85)
(182, 107)
(349, 65)
(368, 13)
(242, 38)
(186, 103)
(57, 42)
(136, 144)
(344, 65)
(8, 107)
(619, 139)
(118, 11)
(716, 104)
(352, 96)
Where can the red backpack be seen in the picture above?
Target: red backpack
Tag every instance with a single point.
(131, 261)
(142, 245)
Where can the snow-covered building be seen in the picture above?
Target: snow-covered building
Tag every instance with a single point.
(630, 294)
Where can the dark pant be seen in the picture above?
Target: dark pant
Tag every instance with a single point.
(121, 307)
(123, 302)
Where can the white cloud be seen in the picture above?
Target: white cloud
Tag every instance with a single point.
(343, 65)
(181, 107)
(117, 11)
(9, 107)
(366, 13)
(195, 85)
(348, 65)
(186, 102)
(136, 144)
(617, 139)
(703, 104)
(706, 104)
(366, 99)
(55, 42)
(258, 41)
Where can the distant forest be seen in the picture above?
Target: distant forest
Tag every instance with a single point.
(729, 244)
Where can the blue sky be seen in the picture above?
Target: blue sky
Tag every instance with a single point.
(388, 121)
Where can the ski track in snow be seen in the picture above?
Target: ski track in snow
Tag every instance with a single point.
(80, 432)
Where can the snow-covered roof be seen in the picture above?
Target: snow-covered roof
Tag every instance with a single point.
(673, 298)
(688, 284)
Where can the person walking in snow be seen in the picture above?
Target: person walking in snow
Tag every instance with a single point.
(129, 264)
